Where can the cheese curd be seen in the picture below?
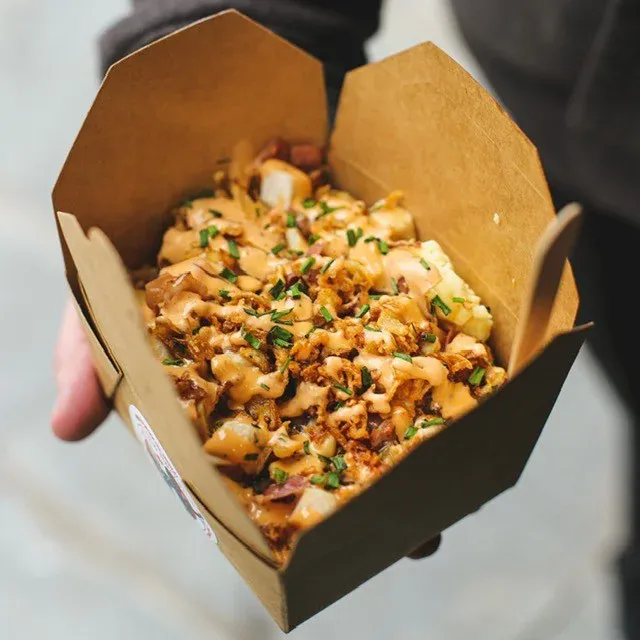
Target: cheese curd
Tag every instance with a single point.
(313, 341)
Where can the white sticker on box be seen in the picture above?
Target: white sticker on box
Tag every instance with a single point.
(166, 469)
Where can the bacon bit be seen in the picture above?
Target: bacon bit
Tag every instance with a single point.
(403, 287)
(306, 156)
(188, 388)
(382, 434)
(304, 225)
(316, 248)
(275, 148)
(293, 486)
(451, 334)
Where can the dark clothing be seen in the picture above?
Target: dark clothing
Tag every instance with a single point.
(569, 72)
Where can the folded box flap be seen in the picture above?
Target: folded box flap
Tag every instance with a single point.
(110, 294)
(167, 115)
(418, 122)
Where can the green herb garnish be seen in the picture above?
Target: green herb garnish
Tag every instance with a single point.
(459, 300)
(365, 379)
(333, 481)
(338, 405)
(425, 264)
(326, 314)
(305, 446)
(351, 237)
(233, 249)
(265, 387)
(280, 337)
(338, 463)
(429, 337)
(215, 213)
(383, 247)
(224, 294)
(285, 365)
(306, 335)
(430, 423)
(368, 327)
(280, 475)
(207, 234)
(227, 274)
(277, 289)
(173, 362)
(277, 249)
(363, 310)
(476, 376)
(251, 340)
(326, 210)
(439, 302)
(316, 479)
(294, 291)
(307, 203)
(187, 204)
(291, 220)
(276, 315)
(327, 266)
(402, 356)
(342, 388)
(307, 264)
(410, 432)
(313, 238)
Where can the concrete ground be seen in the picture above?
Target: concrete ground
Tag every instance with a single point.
(92, 545)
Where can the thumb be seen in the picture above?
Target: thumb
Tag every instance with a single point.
(80, 406)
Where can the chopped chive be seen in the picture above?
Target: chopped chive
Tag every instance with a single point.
(305, 446)
(402, 356)
(307, 203)
(333, 481)
(251, 340)
(307, 264)
(324, 459)
(394, 286)
(338, 463)
(410, 432)
(291, 220)
(294, 291)
(279, 342)
(363, 310)
(280, 475)
(359, 233)
(265, 387)
(317, 479)
(425, 264)
(172, 362)
(285, 365)
(366, 379)
(429, 337)
(224, 294)
(326, 209)
(460, 300)
(252, 312)
(276, 315)
(313, 238)
(306, 335)
(351, 237)
(440, 303)
(227, 274)
(476, 376)
(215, 213)
(326, 314)
(430, 423)
(296, 252)
(341, 387)
(368, 327)
(251, 456)
(277, 288)
(207, 234)
(327, 266)
(280, 337)
(383, 247)
(277, 249)
(369, 239)
(338, 405)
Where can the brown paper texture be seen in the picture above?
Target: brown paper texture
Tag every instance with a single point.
(167, 116)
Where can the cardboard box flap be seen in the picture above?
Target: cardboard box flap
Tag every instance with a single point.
(112, 298)
(418, 122)
(167, 115)
(460, 469)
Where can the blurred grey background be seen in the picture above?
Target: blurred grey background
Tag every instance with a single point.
(92, 545)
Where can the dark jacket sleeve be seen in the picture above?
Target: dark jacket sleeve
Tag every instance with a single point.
(333, 31)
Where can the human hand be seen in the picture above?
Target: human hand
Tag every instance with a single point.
(80, 407)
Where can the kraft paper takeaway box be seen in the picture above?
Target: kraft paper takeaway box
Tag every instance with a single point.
(159, 127)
